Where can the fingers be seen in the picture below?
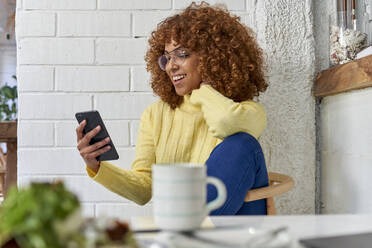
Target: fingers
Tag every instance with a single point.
(90, 152)
(92, 155)
(97, 145)
(79, 130)
(99, 152)
(87, 137)
(87, 150)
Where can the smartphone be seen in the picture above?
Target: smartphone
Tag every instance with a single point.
(94, 119)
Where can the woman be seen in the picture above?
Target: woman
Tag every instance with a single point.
(206, 68)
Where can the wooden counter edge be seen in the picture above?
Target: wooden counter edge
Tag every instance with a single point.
(343, 78)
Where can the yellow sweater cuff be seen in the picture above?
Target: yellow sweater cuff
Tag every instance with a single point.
(91, 173)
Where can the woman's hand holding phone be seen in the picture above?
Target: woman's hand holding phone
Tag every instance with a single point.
(90, 152)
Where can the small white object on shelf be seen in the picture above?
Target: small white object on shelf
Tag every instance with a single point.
(364, 53)
(345, 44)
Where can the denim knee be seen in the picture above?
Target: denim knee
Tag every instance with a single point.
(241, 144)
(239, 162)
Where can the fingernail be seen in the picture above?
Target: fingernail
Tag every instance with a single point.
(107, 139)
(98, 127)
(108, 147)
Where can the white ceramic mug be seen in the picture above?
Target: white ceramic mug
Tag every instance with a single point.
(179, 195)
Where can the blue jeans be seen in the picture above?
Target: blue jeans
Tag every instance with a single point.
(239, 162)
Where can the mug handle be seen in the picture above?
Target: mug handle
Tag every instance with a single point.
(221, 194)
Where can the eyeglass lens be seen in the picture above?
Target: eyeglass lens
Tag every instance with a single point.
(177, 57)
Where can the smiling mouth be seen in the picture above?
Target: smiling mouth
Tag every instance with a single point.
(178, 78)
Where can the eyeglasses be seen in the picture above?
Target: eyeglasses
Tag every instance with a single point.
(178, 57)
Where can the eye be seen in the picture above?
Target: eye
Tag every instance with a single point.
(182, 54)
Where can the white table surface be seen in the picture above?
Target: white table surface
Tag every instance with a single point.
(303, 226)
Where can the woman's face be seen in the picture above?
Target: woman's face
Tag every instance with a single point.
(182, 71)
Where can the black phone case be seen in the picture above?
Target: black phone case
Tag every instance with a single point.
(93, 120)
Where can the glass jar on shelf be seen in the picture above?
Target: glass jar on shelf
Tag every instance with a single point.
(366, 20)
(347, 37)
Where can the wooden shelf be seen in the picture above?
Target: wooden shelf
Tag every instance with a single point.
(343, 78)
(8, 134)
(8, 131)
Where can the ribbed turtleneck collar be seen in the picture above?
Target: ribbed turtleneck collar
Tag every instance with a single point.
(189, 107)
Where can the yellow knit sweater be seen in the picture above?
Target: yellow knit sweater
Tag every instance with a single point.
(188, 133)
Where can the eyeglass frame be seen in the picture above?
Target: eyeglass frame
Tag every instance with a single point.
(177, 59)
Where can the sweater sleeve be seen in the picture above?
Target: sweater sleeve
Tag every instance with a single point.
(226, 117)
(134, 184)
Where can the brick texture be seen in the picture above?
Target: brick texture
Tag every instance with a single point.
(134, 4)
(30, 131)
(120, 51)
(92, 79)
(231, 4)
(94, 24)
(122, 106)
(36, 24)
(35, 78)
(52, 106)
(140, 79)
(56, 51)
(146, 21)
(59, 5)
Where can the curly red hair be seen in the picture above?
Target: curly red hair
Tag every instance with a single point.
(230, 58)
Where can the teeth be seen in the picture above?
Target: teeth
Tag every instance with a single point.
(178, 77)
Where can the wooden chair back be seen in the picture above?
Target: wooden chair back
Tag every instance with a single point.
(278, 184)
(2, 171)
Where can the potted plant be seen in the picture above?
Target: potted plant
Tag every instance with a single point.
(8, 102)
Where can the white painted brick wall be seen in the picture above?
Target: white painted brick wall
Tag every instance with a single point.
(19, 4)
(122, 106)
(105, 23)
(125, 211)
(140, 79)
(78, 55)
(31, 133)
(346, 141)
(131, 5)
(120, 51)
(118, 130)
(35, 78)
(144, 22)
(52, 106)
(65, 134)
(50, 161)
(55, 51)
(231, 4)
(32, 21)
(58, 4)
(92, 78)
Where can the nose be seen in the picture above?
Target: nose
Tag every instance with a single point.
(173, 65)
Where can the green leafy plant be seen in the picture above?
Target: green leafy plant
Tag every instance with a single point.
(29, 216)
(48, 215)
(8, 102)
